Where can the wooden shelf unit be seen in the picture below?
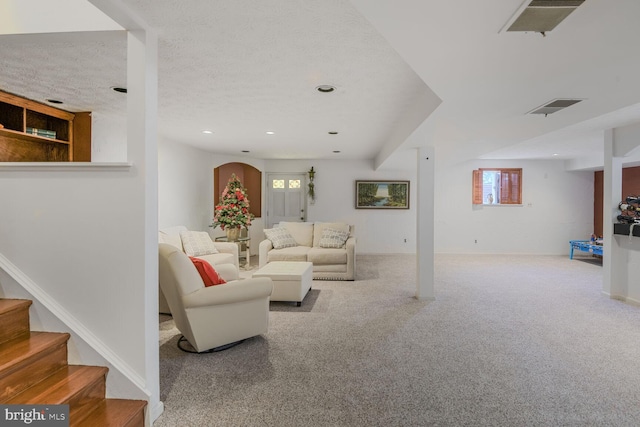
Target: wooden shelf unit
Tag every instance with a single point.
(72, 140)
(621, 228)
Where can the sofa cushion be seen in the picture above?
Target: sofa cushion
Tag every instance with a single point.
(326, 256)
(219, 258)
(280, 238)
(197, 243)
(319, 227)
(296, 253)
(302, 232)
(332, 238)
(209, 275)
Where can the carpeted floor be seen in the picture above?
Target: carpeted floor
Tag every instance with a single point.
(509, 341)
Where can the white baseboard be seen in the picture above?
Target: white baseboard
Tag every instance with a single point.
(622, 298)
(154, 413)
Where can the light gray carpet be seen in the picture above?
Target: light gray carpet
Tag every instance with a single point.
(509, 341)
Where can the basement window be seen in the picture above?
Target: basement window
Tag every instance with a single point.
(499, 186)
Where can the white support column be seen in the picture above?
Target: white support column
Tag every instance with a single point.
(425, 224)
(613, 260)
(142, 151)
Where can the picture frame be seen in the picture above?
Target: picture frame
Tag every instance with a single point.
(382, 194)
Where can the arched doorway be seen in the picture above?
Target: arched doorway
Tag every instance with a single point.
(251, 179)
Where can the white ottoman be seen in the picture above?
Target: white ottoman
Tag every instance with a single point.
(291, 279)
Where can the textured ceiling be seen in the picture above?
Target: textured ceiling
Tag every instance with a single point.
(489, 79)
(76, 68)
(241, 68)
(246, 67)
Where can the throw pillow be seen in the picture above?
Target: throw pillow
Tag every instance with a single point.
(209, 275)
(332, 238)
(197, 243)
(280, 238)
(319, 227)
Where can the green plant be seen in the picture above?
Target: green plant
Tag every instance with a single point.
(233, 209)
(312, 189)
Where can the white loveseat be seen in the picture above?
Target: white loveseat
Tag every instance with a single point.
(329, 263)
(225, 261)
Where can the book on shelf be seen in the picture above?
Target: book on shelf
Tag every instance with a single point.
(42, 132)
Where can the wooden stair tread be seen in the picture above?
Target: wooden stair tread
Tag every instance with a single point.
(115, 413)
(34, 370)
(7, 305)
(16, 351)
(14, 317)
(62, 386)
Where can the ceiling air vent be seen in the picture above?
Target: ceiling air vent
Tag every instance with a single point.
(553, 106)
(541, 16)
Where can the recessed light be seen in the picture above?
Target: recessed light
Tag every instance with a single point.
(54, 101)
(325, 88)
(270, 132)
(555, 154)
(207, 132)
(336, 151)
(333, 133)
(119, 89)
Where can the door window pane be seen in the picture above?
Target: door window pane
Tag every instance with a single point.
(278, 183)
(294, 183)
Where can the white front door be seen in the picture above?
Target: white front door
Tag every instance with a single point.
(286, 198)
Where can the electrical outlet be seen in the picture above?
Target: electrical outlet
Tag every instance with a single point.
(405, 240)
(476, 240)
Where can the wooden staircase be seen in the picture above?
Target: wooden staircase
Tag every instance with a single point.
(34, 371)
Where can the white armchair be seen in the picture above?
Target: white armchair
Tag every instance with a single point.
(215, 316)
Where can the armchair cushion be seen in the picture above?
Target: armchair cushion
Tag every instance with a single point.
(209, 275)
(280, 237)
(231, 293)
(197, 243)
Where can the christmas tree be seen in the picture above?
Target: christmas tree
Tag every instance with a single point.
(233, 209)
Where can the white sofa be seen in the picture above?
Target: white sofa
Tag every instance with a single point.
(227, 252)
(328, 263)
(225, 261)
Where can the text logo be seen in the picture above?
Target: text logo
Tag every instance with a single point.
(34, 415)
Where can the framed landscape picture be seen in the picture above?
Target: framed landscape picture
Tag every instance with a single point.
(382, 194)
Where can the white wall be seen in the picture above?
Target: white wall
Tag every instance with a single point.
(108, 138)
(185, 186)
(378, 230)
(561, 203)
(627, 265)
(70, 233)
(621, 260)
(78, 238)
(186, 195)
(557, 207)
